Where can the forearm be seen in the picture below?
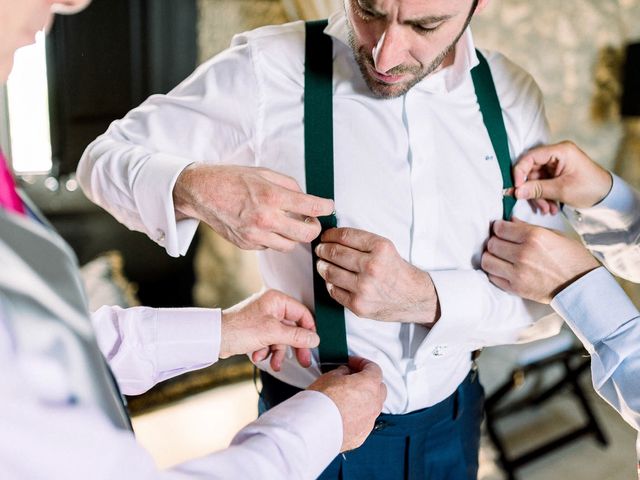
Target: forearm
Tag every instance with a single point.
(608, 324)
(145, 346)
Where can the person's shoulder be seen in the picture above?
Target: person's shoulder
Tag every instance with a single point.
(513, 83)
(281, 40)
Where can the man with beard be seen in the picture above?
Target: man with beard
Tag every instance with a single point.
(416, 183)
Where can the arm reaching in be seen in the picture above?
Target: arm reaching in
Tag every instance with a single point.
(145, 346)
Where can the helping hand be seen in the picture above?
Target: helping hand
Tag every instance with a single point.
(359, 394)
(534, 262)
(265, 325)
(560, 173)
(254, 208)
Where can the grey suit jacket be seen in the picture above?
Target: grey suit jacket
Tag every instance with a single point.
(43, 302)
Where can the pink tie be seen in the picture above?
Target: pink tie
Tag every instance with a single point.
(9, 199)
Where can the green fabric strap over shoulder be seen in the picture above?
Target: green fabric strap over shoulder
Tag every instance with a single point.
(494, 123)
(318, 148)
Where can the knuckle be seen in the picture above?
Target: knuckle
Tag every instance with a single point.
(383, 245)
(343, 235)
(491, 245)
(372, 268)
(262, 220)
(358, 306)
(331, 252)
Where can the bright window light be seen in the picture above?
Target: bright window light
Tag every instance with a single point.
(28, 102)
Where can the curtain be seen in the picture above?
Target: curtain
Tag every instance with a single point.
(310, 9)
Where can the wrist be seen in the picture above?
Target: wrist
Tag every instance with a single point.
(427, 306)
(605, 184)
(184, 197)
(226, 334)
(580, 271)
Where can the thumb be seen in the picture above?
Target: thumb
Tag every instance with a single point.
(534, 189)
(296, 337)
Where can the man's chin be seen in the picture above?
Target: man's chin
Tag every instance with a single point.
(388, 90)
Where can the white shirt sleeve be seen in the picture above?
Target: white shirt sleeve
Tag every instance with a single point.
(145, 346)
(131, 169)
(473, 310)
(608, 324)
(611, 229)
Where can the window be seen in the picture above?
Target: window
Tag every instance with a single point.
(28, 110)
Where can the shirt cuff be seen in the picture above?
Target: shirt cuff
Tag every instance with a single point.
(153, 194)
(594, 307)
(621, 198)
(316, 423)
(615, 211)
(187, 338)
(464, 304)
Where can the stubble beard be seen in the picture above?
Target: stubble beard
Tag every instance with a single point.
(417, 73)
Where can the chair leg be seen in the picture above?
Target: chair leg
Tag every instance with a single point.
(503, 461)
(584, 403)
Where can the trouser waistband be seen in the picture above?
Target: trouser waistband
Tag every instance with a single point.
(275, 391)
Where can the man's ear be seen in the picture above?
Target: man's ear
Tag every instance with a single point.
(481, 5)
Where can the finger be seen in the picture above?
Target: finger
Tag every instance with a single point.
(501, 283)
(260, 355)
(340, 295)
(503, 249)
(277, 356)
(295, 337)
(337, 276)
(548, 189)
(296, 312)
(298, 229)
(383, 395)
(533, 160)
(280, 179)
(304, 357)
(278, 242)
(366, 367)
(305, 204)
(496, 266)
(352, 237)
(345, 257)
(515, 232)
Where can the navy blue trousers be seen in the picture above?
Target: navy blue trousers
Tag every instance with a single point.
(436, 443)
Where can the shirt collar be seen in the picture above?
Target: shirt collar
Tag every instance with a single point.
(443, 81)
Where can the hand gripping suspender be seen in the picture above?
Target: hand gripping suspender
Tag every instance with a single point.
(318, 143)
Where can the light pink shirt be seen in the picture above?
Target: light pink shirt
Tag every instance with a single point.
(43, 436)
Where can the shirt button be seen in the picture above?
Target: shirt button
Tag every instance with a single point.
(578, 216)
(439, 350)
(159, 236)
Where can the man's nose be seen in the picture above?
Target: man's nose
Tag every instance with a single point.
(390, 50)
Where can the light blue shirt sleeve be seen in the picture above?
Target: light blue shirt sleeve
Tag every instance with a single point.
(611, 229)
(608, 324)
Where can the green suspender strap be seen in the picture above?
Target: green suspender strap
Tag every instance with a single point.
(318, 148)
(318, 143)
(494, 123)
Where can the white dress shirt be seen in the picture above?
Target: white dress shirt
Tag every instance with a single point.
(611, 229)
(45, 436)
(419, 170)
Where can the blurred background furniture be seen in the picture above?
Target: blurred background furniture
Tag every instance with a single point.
(527, 376)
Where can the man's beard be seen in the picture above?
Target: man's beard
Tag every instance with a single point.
(417, 73)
